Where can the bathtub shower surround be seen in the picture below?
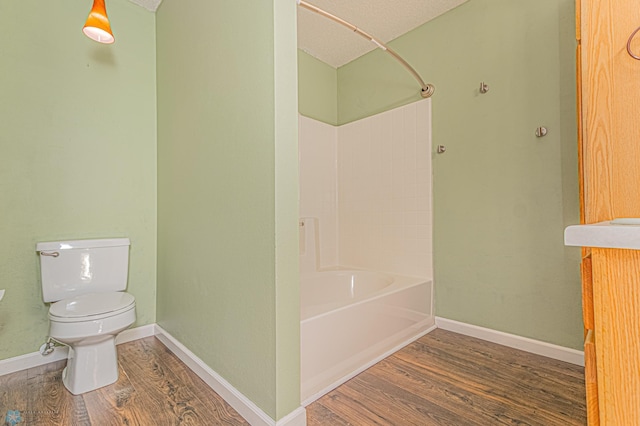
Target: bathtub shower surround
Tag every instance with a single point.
(366, 242)
(309, 250)
(369, 184)
(317, 157)
(384, 191)
(351, 319)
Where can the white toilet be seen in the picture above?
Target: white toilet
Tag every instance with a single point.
(86, 279)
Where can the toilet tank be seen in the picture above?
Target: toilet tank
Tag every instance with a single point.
(71, 268)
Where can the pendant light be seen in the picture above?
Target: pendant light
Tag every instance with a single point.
(97, 26)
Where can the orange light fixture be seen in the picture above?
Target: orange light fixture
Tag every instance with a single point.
(97, 26)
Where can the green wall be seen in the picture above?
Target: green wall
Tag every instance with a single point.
(226, 151)
(227, 198)
(502, 197)
(317, 89)
(77, 150)
(287, 300)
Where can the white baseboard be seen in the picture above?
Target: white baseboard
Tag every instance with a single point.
(35, 359)
(513, 341)
(136, 333)
(297, 417)
(243, 405)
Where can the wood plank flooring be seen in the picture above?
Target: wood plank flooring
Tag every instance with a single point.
(154, 388)
(442, 379)
(450, 379)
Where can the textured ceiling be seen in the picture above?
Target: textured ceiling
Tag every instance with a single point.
(383, 19)
(336, 45)
(151, 5)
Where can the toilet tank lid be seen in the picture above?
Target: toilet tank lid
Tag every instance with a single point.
(82, 244)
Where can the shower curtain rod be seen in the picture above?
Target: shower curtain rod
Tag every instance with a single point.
(426, 89)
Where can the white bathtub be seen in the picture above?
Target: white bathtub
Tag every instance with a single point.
(351, 319)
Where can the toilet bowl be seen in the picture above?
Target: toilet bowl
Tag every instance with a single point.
(89, 324)
(86, 280)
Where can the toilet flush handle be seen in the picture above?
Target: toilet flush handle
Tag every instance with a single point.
(52, 254)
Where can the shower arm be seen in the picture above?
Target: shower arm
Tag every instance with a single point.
(426, 89)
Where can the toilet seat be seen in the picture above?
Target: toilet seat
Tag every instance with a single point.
(91, 306)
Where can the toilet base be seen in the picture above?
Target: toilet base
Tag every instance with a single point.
(90, 367)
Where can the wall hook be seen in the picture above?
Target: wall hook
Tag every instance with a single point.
(484, 88)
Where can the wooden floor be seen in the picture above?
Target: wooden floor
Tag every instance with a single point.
(154, 388)
(449, 379)
(442, 379)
